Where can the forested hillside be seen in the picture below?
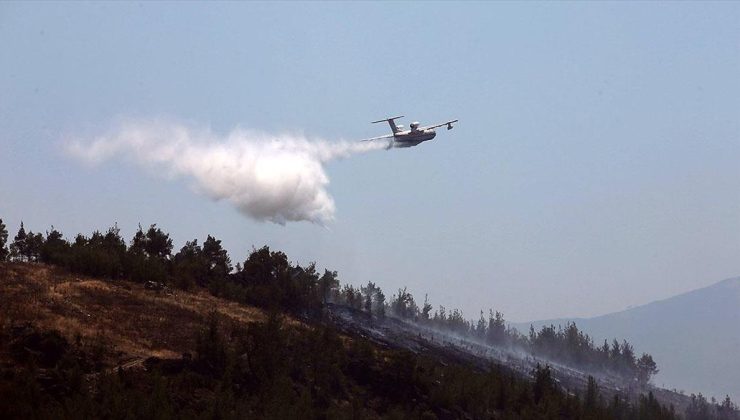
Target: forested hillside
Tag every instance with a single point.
(98, 327)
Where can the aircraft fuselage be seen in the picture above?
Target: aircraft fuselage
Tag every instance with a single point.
(411, 138)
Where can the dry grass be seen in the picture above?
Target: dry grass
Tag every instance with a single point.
(136, 322)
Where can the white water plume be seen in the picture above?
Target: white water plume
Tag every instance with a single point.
(276, 178)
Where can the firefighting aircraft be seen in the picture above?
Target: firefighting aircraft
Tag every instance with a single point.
(410, 137)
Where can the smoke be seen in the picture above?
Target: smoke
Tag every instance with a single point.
(276, 178)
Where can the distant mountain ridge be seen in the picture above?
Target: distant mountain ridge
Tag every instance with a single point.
(694, 337)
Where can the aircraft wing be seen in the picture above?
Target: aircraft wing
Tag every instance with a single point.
(448, 124)
(389, 136)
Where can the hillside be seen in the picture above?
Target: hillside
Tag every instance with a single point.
(695, 336)
(136, 322)
(74, 346)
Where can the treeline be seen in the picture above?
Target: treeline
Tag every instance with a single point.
(566, 345)
(268, 279)
(265, 279)
(272, 370)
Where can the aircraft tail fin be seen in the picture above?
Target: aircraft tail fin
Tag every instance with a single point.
(391, 122)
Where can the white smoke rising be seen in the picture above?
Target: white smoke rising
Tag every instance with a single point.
(276, 178)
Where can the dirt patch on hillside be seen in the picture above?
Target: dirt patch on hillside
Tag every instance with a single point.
(137, 322)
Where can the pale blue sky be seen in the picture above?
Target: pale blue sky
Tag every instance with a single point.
(595, 165)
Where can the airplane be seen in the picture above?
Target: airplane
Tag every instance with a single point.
(410, 137)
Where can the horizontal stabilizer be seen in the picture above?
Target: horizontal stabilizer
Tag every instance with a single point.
(387, 119)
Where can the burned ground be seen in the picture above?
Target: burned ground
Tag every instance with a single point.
(396, 333)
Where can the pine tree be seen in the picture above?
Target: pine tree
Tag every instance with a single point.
(480, 328)
(328, 285)
(496, 327)
(158, 244)
(628, 359)
(138, 242)
(55, 247)
(369, 292)
(380, 303)
(727, 409)
(646, 368)
(34, 243)
(3, 241)
(189, 266)
(219, 263)
(403, 305)
(18, 248)
(154, 243)
(426, 309)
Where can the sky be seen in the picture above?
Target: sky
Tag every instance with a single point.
(594, 167)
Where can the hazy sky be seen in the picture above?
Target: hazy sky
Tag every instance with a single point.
(596, 164)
